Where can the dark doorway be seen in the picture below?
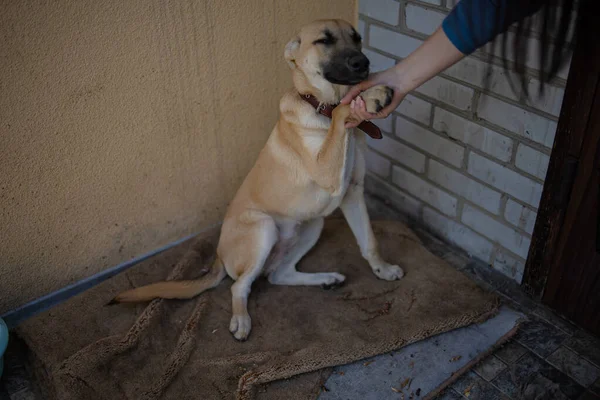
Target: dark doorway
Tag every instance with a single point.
(563, 267)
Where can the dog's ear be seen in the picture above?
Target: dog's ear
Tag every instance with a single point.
(290, 52)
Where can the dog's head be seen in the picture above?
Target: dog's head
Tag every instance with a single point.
(326, 59)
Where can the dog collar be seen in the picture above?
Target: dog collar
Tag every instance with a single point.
(327, 109)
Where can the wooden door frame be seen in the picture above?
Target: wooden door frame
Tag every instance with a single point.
(583, 88)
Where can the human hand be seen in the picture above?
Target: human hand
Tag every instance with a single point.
(389, 78)
(356, 116)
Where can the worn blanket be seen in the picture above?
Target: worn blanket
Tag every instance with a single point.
(171, 349)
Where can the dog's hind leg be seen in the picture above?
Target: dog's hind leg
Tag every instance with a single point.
(285, 272)
(247, 260)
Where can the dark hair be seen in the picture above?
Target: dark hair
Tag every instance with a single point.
(555, 21)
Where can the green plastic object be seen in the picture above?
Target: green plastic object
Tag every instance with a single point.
(3, 343)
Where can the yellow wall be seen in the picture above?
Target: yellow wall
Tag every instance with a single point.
(125, 125)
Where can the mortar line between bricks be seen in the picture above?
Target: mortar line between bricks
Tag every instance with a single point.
(402, 16)
(465, 164)
(497, 217)
(426, 180)
(389, 172)
(413, 218)
(460, 198)
(440, 237)
(463, 172)
(494, 254)
(441, 104)
(424, 152)
(366, 37)
(503, 201)
(500, 217)
(393, 186)
(521, 203)
(431, 116)
(513, 155)
(522, 106)
(460, 206)
(508, 165)
(475, 103)
(483, 123)
(391, 182)
(510, 253)
(419, 200)
(426, 168)
(429, 6)
(394, 162)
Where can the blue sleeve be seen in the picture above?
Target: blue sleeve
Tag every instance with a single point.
(473, 23)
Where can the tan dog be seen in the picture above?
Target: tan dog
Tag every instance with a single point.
(310, 166)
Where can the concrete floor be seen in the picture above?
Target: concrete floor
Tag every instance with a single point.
(416, 370)
(549, 358)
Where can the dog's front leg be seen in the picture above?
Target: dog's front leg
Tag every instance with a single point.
(327, 169)
(355, 211)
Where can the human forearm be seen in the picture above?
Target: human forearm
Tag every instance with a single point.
(435, 55)
(470, 25)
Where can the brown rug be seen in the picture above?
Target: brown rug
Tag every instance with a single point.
(172, 349)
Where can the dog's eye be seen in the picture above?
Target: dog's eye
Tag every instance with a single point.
(327, 41)
(356, 38)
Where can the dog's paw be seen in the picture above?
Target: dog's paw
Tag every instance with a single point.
(240, 326)
(377, 98)
(333, 280)
(388, 272)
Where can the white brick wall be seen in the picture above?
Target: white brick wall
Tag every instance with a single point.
(473, 72)
(520, 216)
(505, 179)
(399, 152)
(387, 11)
(378, 62)
(449, 92)
(458, 234)
(517, 120)
(424, 191)
(421, 19)
(429, 142)
(415, 108)
(466, 160)
(377, 164)
(462, 185)
(392, 42)
(497, 231)
(532, 161)
(509, 265)
(473, 135)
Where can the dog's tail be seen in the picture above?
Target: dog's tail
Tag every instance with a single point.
(174, 289)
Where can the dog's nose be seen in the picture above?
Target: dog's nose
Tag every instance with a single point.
(358, 62)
